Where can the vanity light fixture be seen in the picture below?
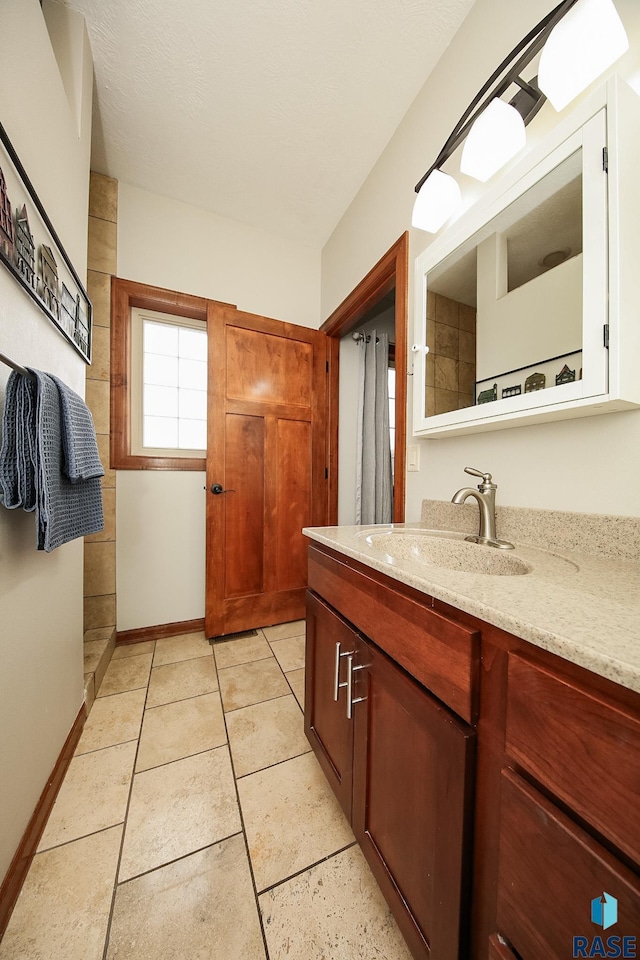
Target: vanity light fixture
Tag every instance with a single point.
(438, 199)
(496, 136)
(574, 54)
(579, 49)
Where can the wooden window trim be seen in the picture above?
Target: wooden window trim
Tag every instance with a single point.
(124, 295)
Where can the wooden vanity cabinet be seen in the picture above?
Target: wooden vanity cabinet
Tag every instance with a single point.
(461, 728)
(401, 765)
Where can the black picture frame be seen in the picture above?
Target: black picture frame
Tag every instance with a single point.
(38, 260)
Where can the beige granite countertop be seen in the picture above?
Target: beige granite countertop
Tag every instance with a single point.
(582, 607)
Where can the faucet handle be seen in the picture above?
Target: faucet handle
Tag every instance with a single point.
(485, 477)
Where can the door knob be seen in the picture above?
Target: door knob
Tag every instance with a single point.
(217, 488)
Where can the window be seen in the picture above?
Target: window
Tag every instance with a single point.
(168, 385)
(175, 433)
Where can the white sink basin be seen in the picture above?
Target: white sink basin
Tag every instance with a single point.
(449, 551)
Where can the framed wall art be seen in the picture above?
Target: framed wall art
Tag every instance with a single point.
(31, 251)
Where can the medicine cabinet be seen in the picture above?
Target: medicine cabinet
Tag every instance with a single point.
(528, 307)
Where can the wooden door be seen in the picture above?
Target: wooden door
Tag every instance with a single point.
(412, 804)
(329, 640)
(266, 466)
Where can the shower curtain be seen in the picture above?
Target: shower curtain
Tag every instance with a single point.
(374, 484)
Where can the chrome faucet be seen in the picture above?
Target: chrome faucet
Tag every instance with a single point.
(486, 497)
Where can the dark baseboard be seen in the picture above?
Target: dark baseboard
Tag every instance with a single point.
(17, 872)
(158, 632)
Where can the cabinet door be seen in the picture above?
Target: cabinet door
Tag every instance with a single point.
(325, 719)
(411, 806)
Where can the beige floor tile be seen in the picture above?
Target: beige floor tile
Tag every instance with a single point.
(113, 720)
(333, 910)
(177, 809)
(63, 910)
(185, 647)
(126, 650)
(295, 628)
(181, 729)
(266, 733)
(127, 674)
(292, 819)
(295, 679)
(250, 683)
(93, 795)
(179, 681)
(229, 653)
(289, 653)
(202, 906)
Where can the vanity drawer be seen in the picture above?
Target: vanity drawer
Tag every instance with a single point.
(549, 872)
(439, 653)
(585, 749)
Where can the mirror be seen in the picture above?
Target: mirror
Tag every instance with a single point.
(504, 310)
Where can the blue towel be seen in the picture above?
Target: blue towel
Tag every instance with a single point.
(81, 457)
(35, 460)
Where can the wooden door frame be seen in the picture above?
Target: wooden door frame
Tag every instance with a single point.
(390, 272)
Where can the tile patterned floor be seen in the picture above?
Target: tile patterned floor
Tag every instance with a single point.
(194, 821)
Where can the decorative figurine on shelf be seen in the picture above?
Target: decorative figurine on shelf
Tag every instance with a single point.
(49, 280)
(67, 311)
(513, 391)
(486, 396)
(565, 376)
(25, 248)
(535, 382)
(7, 226)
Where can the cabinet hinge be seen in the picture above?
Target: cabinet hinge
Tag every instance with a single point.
(605, 159)
(326, 473)
(606, 335)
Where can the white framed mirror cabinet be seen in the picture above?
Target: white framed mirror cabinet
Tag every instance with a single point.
(528, 306)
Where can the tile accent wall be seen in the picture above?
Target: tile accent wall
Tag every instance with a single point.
(100, 548)
(451, 361)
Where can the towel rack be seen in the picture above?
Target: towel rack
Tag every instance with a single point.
(16, 367)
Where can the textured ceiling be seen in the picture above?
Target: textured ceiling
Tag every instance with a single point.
(271, 112)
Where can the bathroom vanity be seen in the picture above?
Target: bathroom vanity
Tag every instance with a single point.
(482, 734)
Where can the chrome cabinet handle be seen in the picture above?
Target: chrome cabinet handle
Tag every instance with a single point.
(336, 675)
(350, 672)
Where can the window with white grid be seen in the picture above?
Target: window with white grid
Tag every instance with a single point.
(169, 380)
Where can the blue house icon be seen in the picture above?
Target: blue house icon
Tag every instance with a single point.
(604, 911)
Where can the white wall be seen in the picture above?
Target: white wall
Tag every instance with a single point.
(546, 465)
(41, 677)
(160, 515)
(171, 244)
